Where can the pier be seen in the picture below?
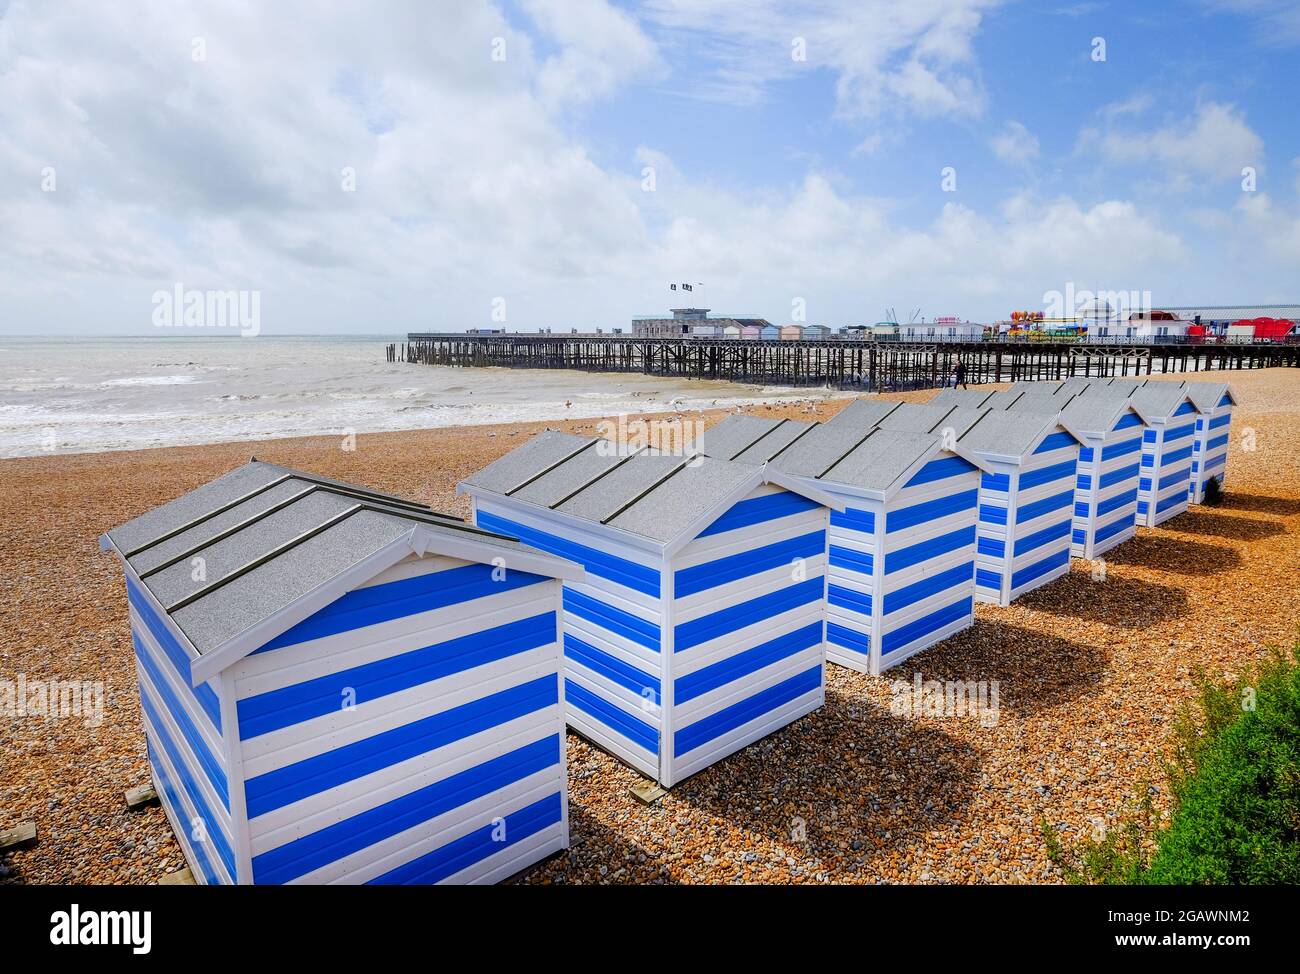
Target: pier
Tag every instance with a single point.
(875, 366)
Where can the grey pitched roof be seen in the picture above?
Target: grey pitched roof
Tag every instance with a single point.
(1206, 395)
(1075, 384)
(881, 459)
(1031, 385)
(1003, 398)
(1094, 414)
(819, 449)
(1158, 400)
(735, 434)
(864, 414)
(267, 535)
(529, 461)
(1039, 402)
(775, 442)
(1010, 433)
(961, 420)
(961, 397)
(671, 507)
(911, 418)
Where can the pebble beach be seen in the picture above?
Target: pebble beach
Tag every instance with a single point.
(1091, 672)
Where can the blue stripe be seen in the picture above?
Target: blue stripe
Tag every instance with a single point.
(1150, 436)
(1216, 442)
(1144, 484)
(1173, 500)
(1121, 449)
(173, 800)
(1175, 455)
(310, 776)
(1083, 482)
(1114, 528)
(360, 831)
(1038, 569)
(1079, 537)
(614, 717)
(853, 519)
(1184, 409)
(744, 664)
(1118, 476)
(1142, 508)
(846, 638)
(993, 514)
(1085, 454)
(852, 559)
(639, 578)
(926, 587)
(1220, 421)
(756, 510)
(396, 600)
(1045, 475)
(1116, 502)
(1179, 432)
(996, 481)
(1226, 400)
(492, 838)
(687, 635)
(1039, 538)
(1195, 466)
(931, 510)
(612, 618)
(1055, 441)
(1036, 509)
(212, 826)
(993, 547)
(1148, 460)
(915, 554)
(940, 470)
(212, 768)
(299, 702)
(1128, 420)
(1081, 508)
(179, 659)
(1218, 461)
(710, 574)
(1173, 478)
(728, 719)
(611, 667)
(988, 579)
(901, 637)
(847, 598)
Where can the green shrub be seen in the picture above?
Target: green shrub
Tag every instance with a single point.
(1234, 779)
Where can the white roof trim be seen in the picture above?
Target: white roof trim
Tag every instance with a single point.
(796, 485)
(530, 560)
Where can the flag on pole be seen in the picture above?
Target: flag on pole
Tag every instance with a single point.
(672, 287)
(686, 287)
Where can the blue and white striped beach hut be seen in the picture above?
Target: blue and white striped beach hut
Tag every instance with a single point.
(1213, 402)
(1026, 502)
(699, 627)
(1167, 449)
(902, 551)
(340, 686)
(1110, 464)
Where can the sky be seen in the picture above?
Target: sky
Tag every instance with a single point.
(382, 167)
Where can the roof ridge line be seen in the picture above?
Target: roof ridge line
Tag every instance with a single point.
(656, 485)
(811, 427)
(761, 436)
(604, 473)
(842, 456)
(558, 463)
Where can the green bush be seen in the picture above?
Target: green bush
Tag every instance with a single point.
(1235, 784)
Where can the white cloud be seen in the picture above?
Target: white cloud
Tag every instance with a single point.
(1015, 144)
(602, 47)
(1213, 143)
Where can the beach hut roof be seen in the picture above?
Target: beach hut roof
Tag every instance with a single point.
(1041, 402)
(961, 420)
(1032, 385)
(1010, 434)
(1003, 398)
(863, 414)
(877, 460)
(1206, 395)
(277, 545)
(911, 418)
(961, 397)
(763, 450)
(657, 496)
(1075, 384)
(1094, 414)
(1158, 400)
(735, 434)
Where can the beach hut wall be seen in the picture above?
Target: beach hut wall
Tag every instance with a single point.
(340, 686)
(699, 627)
(902, 551)
(1110, 463)
(1026, 501)
(1167, 449)
(1213, 402)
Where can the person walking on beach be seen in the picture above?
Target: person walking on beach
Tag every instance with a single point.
(959, 377)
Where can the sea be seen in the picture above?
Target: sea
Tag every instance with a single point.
(78, 395)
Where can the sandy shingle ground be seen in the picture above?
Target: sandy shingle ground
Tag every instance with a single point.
(1089, 673)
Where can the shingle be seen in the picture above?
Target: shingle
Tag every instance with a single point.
(669, 509)
(608, 495)
(881, 459)
(863, 414)
(776, 441)
(911, 418)
(818, 449)
(529, 460)
(735, 434)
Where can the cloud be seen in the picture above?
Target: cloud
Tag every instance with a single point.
(1215, 143)
(601, 48)
(1015, 145)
